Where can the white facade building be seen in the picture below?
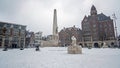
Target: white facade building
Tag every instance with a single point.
(38, 37)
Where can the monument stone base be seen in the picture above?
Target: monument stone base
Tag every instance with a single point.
(74, 49)
(105, 46)
(50, 43)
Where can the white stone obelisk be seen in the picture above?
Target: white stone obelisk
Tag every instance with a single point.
(54, 40)
(55, 27)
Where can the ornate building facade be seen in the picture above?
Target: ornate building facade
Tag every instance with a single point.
(12, 35)
(97, 27)
(66, 33)
(38, 37)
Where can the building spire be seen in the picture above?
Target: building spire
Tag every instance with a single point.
(93, 10)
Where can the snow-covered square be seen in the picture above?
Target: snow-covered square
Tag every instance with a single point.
(57, 57)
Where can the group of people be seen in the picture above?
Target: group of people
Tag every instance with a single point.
(21, 47)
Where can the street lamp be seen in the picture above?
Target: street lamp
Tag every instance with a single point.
(11, 34)
(115, 18)
(19, 34)
(4, 44)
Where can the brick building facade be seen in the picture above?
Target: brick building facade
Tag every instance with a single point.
(66, 33)
(97, 27)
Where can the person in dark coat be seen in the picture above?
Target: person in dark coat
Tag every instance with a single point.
(37, 47)
(5, 47)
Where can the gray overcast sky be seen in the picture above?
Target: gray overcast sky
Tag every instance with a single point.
(38, 14)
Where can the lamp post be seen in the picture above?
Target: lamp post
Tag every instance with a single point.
(24, 39)
(11, 35)
(119, 41)
(19, 34)
(91, 41)
(3, 39)
(116, 39)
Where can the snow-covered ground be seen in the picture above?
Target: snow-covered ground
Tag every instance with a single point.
(57, 57)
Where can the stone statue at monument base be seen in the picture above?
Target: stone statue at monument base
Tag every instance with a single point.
(74, 48)
(104, 45)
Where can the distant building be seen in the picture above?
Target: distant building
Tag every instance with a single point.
(30, 38)
(38, 37)
(97, 27)
(12, 35)
(49, 37)
(66, 33)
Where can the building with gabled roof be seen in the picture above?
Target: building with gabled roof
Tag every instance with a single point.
(97, 27)
(66, 33)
